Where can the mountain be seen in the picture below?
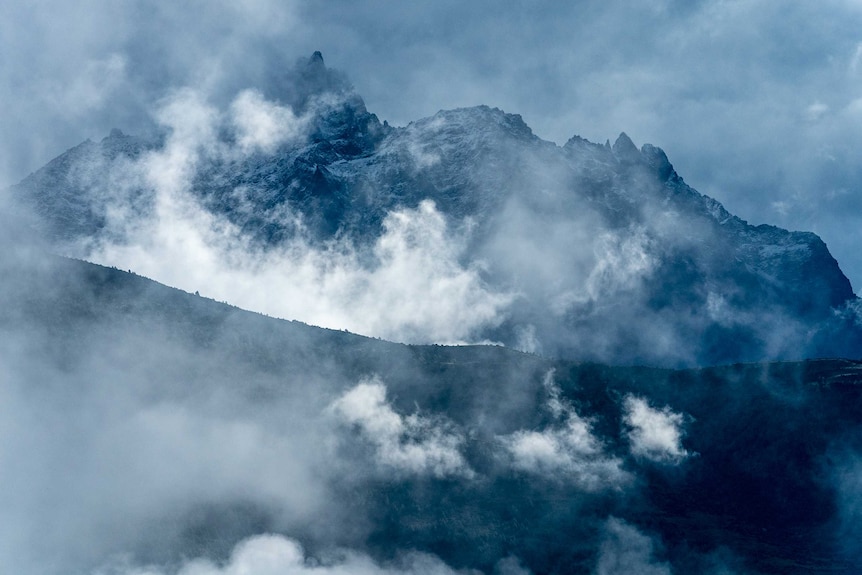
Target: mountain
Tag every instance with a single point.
(146, 427)
(600, 252)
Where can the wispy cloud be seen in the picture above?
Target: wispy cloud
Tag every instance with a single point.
(627, 551)
(414, 288)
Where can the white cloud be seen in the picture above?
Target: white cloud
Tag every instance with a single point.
(193, 124)
(92, 86)
(262, 125)
(418, 151)
(416, 291)
(278, 555)
(412, 444)
(569, 454)
(655, 434)
(622, 261)
(816, 111)
(565, 452)
(414, 288)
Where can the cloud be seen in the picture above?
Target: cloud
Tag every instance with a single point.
(104, 456)
(565, 451)
(816, 111)
(262, 125)
(564, 455)
(690, 77)
(622, 261)
(537, 276)
(626, 551)
(654, 434)
(613, 263)
(77, 72)
(414, 288)
(89, 91)
(844, 473)
(510, 566)
(412, 444)
(271, 554)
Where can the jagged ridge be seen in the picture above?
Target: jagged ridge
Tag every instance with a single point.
(643, 268)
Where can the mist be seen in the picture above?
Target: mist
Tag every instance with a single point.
(412, 286)
(149, 431)
(539, 247)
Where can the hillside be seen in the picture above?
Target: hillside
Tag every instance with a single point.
(136, 405)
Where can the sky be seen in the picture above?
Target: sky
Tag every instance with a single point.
(757, 103)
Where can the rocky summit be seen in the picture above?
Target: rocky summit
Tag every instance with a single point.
(601, 252)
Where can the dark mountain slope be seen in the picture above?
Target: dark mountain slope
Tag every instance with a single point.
(759, 479)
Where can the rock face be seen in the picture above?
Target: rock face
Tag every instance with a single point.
(607, 253)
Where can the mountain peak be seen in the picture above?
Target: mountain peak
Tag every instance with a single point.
(473, 121)
(624, 149)
(657, 159)
(307, 78)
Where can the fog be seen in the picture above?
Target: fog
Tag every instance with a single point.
(144, 430)
(575, 252)
(175, 240)
(144, 442)
(139, 437)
